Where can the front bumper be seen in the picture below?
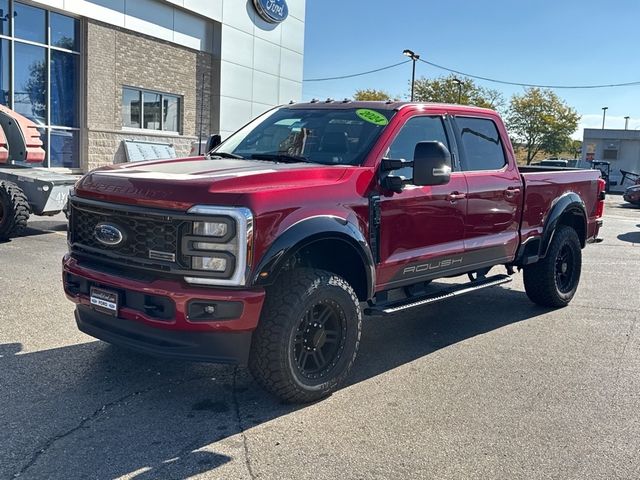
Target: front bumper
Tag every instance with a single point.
(154, 314)
(182, 345)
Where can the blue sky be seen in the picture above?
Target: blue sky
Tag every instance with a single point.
(564, 42)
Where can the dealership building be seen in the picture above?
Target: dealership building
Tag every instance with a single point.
(98, 75)
(621, 148)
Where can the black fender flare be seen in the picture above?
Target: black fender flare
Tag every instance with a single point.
(307, 232)
(568, 203)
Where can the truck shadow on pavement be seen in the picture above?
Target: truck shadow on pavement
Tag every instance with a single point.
(96, 411)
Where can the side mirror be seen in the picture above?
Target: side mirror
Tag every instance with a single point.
(213, 142)
(431, 164)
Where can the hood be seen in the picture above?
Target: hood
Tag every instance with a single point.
(180, 183)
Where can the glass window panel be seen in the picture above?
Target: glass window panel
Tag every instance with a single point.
(482, 145)
(64, 31)
(131, 108)
(30, 23)
(171, 113)
(417, 129)
(5, 18)
(152, 111)
(30, 77)
(64, 89)
(5, 79)
(63, 150)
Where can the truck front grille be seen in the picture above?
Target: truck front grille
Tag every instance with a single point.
(149, 239)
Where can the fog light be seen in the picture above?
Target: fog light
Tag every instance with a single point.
(213, 264)
(210, 229)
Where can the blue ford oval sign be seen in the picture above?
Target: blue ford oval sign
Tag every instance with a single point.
(108, 234)
(273, 11)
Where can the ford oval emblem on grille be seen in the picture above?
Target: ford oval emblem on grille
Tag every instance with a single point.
(108, 234)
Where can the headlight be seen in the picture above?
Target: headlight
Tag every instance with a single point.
(217, 263)
(219, 245)
(211, 229)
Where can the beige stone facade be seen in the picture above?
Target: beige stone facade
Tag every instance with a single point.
(117, 58)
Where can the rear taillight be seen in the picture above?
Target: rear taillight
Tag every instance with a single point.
(602, 185)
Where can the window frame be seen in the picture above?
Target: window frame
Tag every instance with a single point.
(49, 127)
(163, 95)
(462, 149)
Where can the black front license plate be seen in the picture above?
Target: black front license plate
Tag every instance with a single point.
(104, 301)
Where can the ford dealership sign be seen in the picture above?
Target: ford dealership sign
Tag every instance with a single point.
(273, 11)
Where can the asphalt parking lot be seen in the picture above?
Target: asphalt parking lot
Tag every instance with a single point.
(486, 386)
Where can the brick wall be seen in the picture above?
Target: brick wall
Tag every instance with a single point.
(115, 58)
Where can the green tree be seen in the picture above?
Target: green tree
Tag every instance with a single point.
(371, 94)
(451, 89)
(541, 121)
(575, 148)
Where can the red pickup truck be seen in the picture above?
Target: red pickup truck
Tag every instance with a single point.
(268, 250)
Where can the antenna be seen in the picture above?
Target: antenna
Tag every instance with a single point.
(201, 117)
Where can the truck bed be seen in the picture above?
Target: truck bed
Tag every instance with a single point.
(543, 186)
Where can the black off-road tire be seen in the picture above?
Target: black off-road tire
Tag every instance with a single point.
(277, 345)
(553, 281)
(14, 210)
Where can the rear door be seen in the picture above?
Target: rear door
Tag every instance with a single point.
(422, 228)
(495, 191)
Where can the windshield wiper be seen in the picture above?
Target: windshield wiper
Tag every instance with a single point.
(224, 155)
(280, 157)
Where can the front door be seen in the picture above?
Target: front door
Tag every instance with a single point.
(422, 228)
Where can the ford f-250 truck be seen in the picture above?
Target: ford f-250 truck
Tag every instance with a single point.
(268, 250)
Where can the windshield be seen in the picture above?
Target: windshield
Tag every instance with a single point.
(331, 137)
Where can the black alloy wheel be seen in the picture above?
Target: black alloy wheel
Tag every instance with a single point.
(319, 340)
(565, 269)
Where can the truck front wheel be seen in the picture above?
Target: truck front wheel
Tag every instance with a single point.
(553, 281)
(14, 210)
(308, 336)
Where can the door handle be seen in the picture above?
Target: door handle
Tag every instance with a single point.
(511, 192)
(453, 197)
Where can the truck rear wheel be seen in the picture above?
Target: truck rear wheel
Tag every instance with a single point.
(14, 210)
(553, 281)
(308, 336)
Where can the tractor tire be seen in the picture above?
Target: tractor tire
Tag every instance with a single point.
(14, 210)
(553, 281)
(308, 336)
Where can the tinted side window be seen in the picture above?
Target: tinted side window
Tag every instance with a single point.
(417, 129)
(482, 145)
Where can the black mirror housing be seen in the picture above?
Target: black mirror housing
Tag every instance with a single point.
(431, 164)
(213, 142)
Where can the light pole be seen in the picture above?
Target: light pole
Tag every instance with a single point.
(458, 82)
(604, 115)
(414, 57)
(626, 122)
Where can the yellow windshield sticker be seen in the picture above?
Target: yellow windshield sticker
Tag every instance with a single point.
(372, 116)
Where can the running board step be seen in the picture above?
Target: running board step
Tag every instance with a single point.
(444, 294)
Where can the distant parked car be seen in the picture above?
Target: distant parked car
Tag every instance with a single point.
(632, 195)
(554, 162)
(195, 151)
